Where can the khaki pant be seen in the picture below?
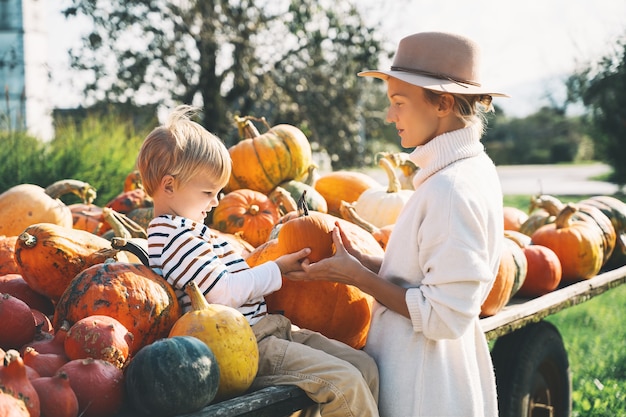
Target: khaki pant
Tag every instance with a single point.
(342, 380)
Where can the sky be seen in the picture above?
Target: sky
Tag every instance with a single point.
(529, 47)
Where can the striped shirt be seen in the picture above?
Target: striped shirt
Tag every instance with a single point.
(182, 250)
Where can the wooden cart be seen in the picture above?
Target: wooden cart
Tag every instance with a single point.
(530, 360)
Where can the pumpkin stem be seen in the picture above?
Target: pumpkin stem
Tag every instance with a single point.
(198, 302)
(28, 239)
(564, 219)
(246, 128)
(549, 203)
(348, 212)
(122, 225)
(81, 189)
(303, 207)
(283, 200)
(394, 182)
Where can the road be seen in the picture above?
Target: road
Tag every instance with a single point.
(545, 179)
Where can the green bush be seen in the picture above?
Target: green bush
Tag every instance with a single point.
(99, 150)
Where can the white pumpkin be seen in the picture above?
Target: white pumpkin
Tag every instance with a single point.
(379, 205)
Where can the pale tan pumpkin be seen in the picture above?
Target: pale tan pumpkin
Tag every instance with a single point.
(381, 206)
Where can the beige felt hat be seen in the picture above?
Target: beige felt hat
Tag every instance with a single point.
(437, 61)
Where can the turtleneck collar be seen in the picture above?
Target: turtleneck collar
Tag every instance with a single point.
(445, 149)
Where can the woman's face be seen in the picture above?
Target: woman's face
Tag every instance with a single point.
(417, 120)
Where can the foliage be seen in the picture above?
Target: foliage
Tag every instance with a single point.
(100, 150)
(292, 61)
(544, 137)
(601, 87)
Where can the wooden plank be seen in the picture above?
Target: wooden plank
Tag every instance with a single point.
(520, 311)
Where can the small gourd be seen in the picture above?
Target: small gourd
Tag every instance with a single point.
(229, 336)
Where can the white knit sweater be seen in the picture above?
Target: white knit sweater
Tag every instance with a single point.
(445, 249)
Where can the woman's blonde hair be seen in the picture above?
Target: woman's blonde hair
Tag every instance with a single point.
(182, 148)
(471, 108)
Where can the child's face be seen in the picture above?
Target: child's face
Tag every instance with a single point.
(195, 198)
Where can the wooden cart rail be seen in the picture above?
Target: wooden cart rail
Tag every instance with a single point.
(521, 311)
(284, 400)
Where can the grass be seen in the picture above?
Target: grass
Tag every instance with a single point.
(595, 339)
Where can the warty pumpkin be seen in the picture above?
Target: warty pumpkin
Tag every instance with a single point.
(245, 211)
(229, 336)
(381, 206)
(577, 244)
(134, 294)
(264, 161)
(26, 204)
(49, 256)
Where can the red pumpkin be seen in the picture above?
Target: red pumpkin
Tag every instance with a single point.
(56, 396)
(544, 271)
(14, 381)
(17, 324)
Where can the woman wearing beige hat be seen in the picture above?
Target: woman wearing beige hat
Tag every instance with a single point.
(443, 255)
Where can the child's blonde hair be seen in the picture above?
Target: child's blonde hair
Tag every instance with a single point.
(182, 148)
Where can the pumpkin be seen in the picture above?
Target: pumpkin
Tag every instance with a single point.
(338, 311)
(615, 210)
(247, 211)
(15, 285)
(132, 181)
(379, 205)
(49, 256)
(511, 274)
(99, 337)
(11, 406)
(263, 161)
(134, 294)
(229, 336)
(7, 255)
(381, 234)
(577, 243)
(127, 201)
(56, 396)
(343, 185)
(513, 218)
(98, 386)
(25, 204)
(88, 217)
(17, 324)
(544, 271)
(587, 212)
(314, 200)
(172, 376)
(46, 364)
(14, 381)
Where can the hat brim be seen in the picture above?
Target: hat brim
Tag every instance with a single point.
(431, 83)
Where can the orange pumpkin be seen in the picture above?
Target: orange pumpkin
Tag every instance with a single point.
(7, 255)
(338, 311)
(513, 218)
(343, 185)
(49, 256)
(133, 294)
(263, 161)
(577, 243)
(615, 210)
(89, 217)
(510, 277)
(249, 212)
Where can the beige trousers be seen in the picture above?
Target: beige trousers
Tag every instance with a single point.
(342, 380)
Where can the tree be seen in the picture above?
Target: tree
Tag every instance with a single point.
(602, 89)
(290, 61)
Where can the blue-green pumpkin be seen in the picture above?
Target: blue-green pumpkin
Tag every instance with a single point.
(172, 376)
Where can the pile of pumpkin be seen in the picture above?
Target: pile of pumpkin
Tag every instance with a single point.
(87, 329)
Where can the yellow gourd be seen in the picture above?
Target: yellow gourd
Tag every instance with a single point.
(228, 334)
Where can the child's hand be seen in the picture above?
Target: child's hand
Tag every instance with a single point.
(292, 261)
